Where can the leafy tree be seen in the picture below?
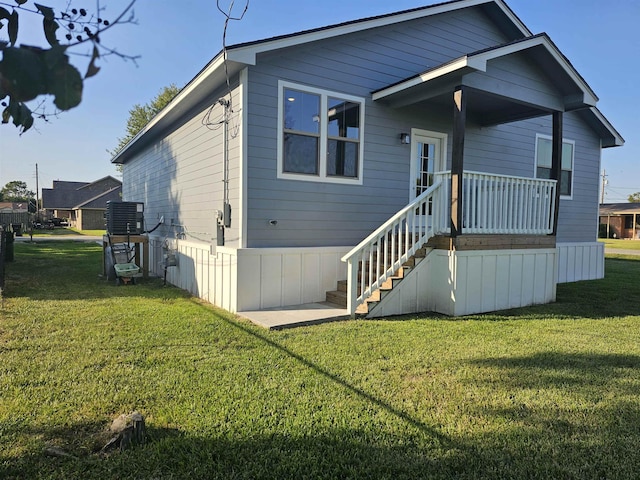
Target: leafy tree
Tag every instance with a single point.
(16, 191)
(29, 73)
(140, 115)
(634, 197)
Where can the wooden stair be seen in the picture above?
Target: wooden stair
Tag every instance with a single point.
(338, 297)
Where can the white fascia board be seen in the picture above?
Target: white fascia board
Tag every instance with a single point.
(516, 21)
(618, 140)
(590, 98)
(247, 54)
(450, 67)
(214, 65)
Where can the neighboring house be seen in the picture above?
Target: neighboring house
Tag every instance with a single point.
(83, 204)
(12, 213)
(435, 134)
(620, 220)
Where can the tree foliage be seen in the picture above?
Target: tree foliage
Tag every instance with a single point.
(140, 115)
(634, 197)
(29, 73)
(16, 191)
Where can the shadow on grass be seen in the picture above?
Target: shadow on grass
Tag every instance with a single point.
(170, 453)
(565, 371)
(583, 408)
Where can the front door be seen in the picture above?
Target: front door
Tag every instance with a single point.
(427, 158)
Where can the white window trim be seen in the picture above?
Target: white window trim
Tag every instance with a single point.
(573, 162)
(322, 163)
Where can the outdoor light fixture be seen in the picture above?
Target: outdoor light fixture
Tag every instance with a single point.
(405, 138)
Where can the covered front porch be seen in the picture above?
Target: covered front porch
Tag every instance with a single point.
(426, 260)
(476, 239)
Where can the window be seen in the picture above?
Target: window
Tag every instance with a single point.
(543, 162)
(319, 135)
(629, 221)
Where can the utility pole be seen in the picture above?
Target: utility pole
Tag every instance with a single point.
(37, 199)
(604, 184)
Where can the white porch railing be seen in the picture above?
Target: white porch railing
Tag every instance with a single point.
(491, 204)
(500, 204)
(383, 252)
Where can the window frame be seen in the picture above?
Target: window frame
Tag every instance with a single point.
(573, 163)
(324, 136)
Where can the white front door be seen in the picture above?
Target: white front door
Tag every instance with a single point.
(428, 152)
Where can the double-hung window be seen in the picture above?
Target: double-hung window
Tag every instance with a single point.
(543, 162)
(319, 135)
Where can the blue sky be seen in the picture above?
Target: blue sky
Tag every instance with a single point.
(176, 39)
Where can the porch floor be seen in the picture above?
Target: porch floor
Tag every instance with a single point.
(296, 315)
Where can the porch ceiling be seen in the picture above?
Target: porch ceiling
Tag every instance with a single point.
(493, 98)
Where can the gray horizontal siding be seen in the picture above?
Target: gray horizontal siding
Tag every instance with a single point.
(309, 213)
(180, 177)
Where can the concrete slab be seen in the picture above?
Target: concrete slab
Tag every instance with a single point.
(296, 315)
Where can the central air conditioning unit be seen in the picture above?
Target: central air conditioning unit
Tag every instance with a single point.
(125, 218)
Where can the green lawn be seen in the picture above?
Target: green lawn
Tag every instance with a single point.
(544, 392)
(64, 231)
(622, 244)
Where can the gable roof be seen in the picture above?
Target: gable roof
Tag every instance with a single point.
(557, 65)
(66, 195)
(619, 208)
(106, 179)
(100, 200)
(498, 10)
(14, 207)
(608, 134)
(234, 58)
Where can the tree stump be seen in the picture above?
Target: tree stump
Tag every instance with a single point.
(128, 431)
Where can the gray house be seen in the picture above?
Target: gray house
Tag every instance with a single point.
(442, 158)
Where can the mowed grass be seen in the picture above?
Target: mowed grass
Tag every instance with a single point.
(61, 231)
(545, 392)
(625, 244)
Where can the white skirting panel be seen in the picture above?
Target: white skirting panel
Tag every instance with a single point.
(580, 261)
(251, 278)
(469, 282)
(209, 277)
(278, 277)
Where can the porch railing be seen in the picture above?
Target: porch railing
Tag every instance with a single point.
(501, 204)
(491, 204)
(383, 252)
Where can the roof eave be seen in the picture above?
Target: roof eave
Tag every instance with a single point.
(194, 92)
(242, 55)
(247, 52)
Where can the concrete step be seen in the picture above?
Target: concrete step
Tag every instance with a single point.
(338, 298)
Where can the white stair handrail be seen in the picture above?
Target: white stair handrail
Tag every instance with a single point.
(383, 252)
